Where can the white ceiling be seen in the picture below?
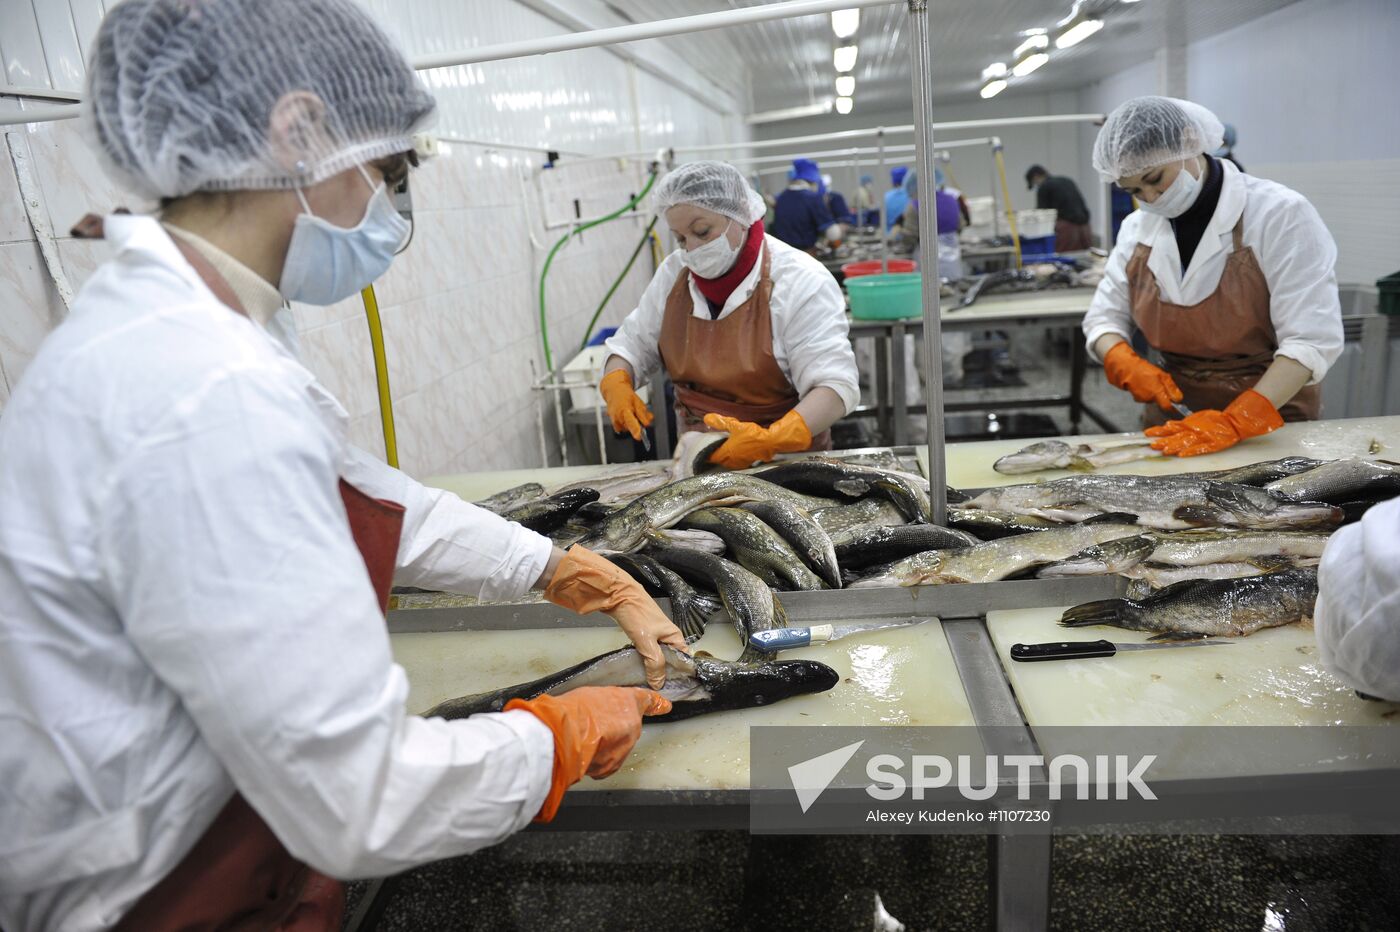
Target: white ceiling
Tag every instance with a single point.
(789, 61)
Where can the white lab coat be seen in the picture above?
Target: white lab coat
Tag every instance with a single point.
(1290, 242)
(811, 339)
(1357, 620)
(185, 613)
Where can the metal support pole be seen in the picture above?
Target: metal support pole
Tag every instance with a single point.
(884, 221)
(1106, 213)
(921, 53)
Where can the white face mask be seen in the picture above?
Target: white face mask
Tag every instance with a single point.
(1178, 197)
(712, 259)
(326, 263)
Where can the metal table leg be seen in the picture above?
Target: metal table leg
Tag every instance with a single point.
(899, 379)
(660, 427)
(1370, 382)
(1078, 362)
(882, 385)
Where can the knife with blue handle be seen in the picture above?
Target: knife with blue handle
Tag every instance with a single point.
(778, 639)
(1080, 650)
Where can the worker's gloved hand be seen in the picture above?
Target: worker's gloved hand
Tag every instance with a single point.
(1249, 415)
(748, 443)
(585, 582)
(594, 729)
(1127, 370)
(628, 412)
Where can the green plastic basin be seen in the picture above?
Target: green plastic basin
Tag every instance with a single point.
(886, 297)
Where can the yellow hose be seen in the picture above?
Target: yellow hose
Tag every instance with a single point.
(381, 375)
(1010, 214)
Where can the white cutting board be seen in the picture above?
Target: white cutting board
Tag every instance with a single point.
(1271, 677)
(970, 464)
(474, 486)
(891, 677)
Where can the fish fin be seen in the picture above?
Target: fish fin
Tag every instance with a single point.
(692, 623)
(1102, 612)
(1178, 636)
(852, 488)
(1270, 563)
(1198, 514)
(1112, 517)
(1080, 464)
(955, 497)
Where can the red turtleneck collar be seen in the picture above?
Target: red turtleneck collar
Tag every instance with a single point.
(718, 290)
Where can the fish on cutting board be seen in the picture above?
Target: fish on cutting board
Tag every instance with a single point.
(1056, 454)
(1212, 607)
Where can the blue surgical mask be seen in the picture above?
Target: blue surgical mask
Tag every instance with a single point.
(326, 263)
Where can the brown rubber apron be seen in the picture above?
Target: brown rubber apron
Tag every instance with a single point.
(726, 366)
(238, 877)
(1220, 347)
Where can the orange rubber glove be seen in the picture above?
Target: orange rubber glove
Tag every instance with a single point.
(628, 412)
(1249, 415)
(594, 729)
(748, 443)
(584, 582)
(1127, 370)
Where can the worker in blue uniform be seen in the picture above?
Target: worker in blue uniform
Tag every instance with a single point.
(801, 218)
(896, 199)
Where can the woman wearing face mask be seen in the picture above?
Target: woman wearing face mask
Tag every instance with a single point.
(200, 718)
(1229, 277)
(751, 331)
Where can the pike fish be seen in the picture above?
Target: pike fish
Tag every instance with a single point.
(843, 519)
(1204, 546)
(1165, 502)
(626, 528)
(547, 515)
(756, 547)
(1114, 556)
(514, 497)
(1341, 481)
(997, 559)
(993, 525)
(800, 529)
(693, 452)
(751, 605)
(875, 543)
(693, 539)
(695, 685)
(835, 480)
(1262, 473)
(620, 486)
(690, 610)
(1056, 454)
(1159, 575)
(1208, 608)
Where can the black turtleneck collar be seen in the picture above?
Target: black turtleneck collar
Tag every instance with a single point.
(1191, 226)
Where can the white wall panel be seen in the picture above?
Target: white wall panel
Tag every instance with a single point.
(21, 48)
(61, 51)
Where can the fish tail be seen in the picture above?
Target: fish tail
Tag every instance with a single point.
(1103, 612)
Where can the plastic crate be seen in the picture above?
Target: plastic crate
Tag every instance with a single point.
(1389, 288)
(886, 297)
(1037, 246)
(1035, 224)
(873, 267)
(982, 210)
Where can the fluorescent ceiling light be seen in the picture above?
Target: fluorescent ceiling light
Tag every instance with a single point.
(845, 85)
(844, 105)
(844, 58)
(1041, 41)
(996, 69)
(1028, 64)
(845, 23)
(789, 113)
(1078, 33)
(992, 88)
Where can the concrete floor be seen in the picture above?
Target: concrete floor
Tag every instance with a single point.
(721, 880)
(686, 881)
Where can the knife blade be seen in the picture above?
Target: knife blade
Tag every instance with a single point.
(1181, 409)
(1078, 650)
(788, 638)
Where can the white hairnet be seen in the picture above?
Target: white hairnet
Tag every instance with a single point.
(183, 94)
(1149, 131)
(716, 186)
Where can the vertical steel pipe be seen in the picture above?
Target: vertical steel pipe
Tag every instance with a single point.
(921, 53)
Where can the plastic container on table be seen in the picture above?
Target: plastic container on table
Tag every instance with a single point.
(872, 267)
(886, 297)
(1037, 246)
(1389, 288)
(981, 210)
(1036, 224)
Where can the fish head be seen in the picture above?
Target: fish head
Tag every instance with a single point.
(724, 685)
(1048, 454)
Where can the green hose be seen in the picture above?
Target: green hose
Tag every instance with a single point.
(544, 273)
(646, 236)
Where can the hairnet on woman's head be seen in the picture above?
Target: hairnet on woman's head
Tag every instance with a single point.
(716, 186)
(1149, 131)
(199, 95)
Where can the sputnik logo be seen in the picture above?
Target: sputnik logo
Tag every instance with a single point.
(811, 777)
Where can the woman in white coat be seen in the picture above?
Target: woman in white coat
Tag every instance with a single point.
(200, 717)
(1229, 277)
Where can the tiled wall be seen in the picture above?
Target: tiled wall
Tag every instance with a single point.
(460, 307)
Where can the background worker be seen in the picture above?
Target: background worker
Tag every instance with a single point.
(1227, 146)
(867, 208)
(801, 217)
(200, 717)
(897, 198)
(751, 331)
(1230, 277)
(836, 203)
(1061, 194)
